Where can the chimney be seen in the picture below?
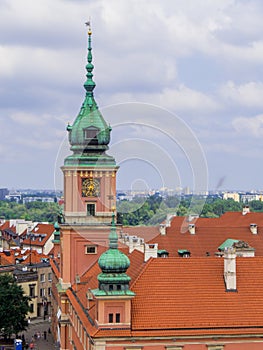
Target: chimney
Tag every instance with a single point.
(162, 229)
(254, 229)
(150, 251)
(230, 269)
(245, 210)
(168, 220)
(191, 229)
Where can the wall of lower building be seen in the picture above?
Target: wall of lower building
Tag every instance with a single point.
(177, 345)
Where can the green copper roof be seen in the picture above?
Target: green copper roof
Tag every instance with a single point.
(183, 251)
(56, 233)
(89, 135)
(113, 261)
(56, 226)
(102, 293)
(227, 244)
(113, 279)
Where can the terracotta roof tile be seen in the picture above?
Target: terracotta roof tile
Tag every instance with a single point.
(146, 232)
(190, 293)
(41, 232)
(210, 233)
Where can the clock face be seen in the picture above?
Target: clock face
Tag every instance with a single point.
(90, 188)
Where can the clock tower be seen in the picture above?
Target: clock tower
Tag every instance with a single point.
(89, 173)
(89, 187)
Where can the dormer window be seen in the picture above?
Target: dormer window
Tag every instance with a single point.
(91, 249)
(90, 135)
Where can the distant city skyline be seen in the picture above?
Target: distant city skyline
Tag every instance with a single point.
(180, 83)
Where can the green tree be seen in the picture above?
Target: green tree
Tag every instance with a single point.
(14, 306)
(256, 205)
(35, 211)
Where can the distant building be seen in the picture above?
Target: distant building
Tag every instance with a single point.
(38, 199)
(35, 277)
(231, 195)
(13, 196)
(245, 198)
(3, 192)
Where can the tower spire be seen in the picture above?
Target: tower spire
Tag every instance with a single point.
(113, 237)
(89, 85)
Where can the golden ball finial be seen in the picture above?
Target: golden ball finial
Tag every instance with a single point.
(88, 25)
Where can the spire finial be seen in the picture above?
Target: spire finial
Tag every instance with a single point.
(113, 237)
(89, 84)
(89, 27)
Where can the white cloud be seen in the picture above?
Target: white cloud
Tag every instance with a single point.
(248, 94)
(181, 99)
(199, 59)
(249, 126)
(186, 99)
(30, 119)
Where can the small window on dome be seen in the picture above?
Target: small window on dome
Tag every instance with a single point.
(111, 287)
(90, 134)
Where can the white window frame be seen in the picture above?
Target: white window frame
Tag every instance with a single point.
(42, 278)
(91, 246)
(215, 347)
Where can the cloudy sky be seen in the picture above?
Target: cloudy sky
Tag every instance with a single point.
(181, 82)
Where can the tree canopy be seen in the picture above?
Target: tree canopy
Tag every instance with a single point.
(14, 306)
(149, 210)
(34, 211)
(153, 209)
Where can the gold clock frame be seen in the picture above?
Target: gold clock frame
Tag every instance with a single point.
(90, 187)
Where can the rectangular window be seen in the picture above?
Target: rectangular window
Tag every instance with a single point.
(215, 347)
(110, 318)
(42, 292)
(118, 318)
(32, 290)
(42, 277)
(90, 133)
(91, 249)
(91, 209)
(50, 277)
(31, 308)
(49, 291)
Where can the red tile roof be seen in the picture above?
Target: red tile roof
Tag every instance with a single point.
(210, 233)
(11, 256)
(189, 294)
(178, 296)
(146, 232)
(41, 233)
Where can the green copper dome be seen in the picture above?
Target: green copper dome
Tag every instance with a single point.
(113, 279)
(113, 260)
(89, 135)
(56, 226)
(56, 233)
